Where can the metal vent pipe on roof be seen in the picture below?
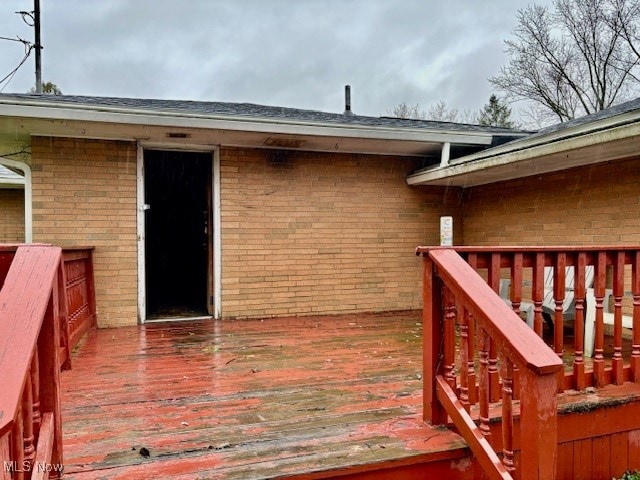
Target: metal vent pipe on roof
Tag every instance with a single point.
(347, 100)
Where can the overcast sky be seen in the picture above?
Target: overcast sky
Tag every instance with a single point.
(294, 53)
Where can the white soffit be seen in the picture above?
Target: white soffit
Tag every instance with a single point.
(10, 179)
(26, 118)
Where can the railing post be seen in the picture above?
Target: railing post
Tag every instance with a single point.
(63, 312)
(433, 336)
(494, 375)
(49, 370)
(538, 426)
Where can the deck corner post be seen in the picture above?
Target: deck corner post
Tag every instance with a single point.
(49, 370)
(432, 322)
(539, 426)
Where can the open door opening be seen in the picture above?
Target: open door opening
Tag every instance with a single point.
(178, 221)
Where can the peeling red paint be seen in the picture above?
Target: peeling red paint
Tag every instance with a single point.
(250, 399)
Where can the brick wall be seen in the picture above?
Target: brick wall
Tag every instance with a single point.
(592, 205)
(84, 193)
(301, 233)
(323, 233)
(12, 215)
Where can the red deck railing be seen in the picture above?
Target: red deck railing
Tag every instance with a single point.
(481, 355)
(455, 296)
(80, 295)
(79, 312)
(31, 302)
(605, 285)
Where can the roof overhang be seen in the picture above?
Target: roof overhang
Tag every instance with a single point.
(10, 183)
(9, 179)
(586, 144)
(25, 118)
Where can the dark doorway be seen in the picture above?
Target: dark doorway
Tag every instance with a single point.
(177, 189)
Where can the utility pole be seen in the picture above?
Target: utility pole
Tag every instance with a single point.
(38, 46)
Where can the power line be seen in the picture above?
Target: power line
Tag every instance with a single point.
(10, 75)
(17, 39)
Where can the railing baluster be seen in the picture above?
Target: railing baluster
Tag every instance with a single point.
(515, 292)
(507, 413)
(463, 321)
(17, 444)
(449, 339)
(538, 292)
(559, 287)
(599, 286)
(635, 290)
(471, 365)
(617, 374)
(27, 422)
(484, 393)
(35, 392)
(5, 453)
(579, 379)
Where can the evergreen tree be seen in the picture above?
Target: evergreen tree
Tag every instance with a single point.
(495, 114)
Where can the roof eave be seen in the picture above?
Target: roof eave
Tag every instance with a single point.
(63, 112)
(518, 160)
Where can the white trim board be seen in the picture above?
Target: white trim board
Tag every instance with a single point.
(141, 235)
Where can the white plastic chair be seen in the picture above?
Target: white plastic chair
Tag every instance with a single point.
(607, 317)
(548, 303)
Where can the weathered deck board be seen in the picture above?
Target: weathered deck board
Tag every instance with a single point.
(250, 399)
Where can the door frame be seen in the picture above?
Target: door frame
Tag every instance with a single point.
(214, 273)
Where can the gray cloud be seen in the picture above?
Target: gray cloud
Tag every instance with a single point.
(297, 53)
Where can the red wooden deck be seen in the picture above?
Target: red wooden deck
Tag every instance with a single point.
(308, 397)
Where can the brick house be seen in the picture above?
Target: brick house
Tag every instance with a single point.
(12, 202)
(240, 210)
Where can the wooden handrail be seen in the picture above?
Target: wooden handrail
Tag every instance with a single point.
(525, 348)
(594, 290)
(30, 424)
(455, 294)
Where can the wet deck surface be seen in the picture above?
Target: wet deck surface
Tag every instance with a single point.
(249, 399)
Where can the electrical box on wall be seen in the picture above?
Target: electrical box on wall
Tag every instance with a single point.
(446, 231)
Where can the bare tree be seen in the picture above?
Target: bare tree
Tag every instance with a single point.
(573, 61)
(439, 112)
(625, 14)
(404, 110)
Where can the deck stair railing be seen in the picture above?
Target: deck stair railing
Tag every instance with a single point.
(482, 360)
(32, 300)
(492, 344)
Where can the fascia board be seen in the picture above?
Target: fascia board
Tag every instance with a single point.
(261, 125)
(615, 128)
